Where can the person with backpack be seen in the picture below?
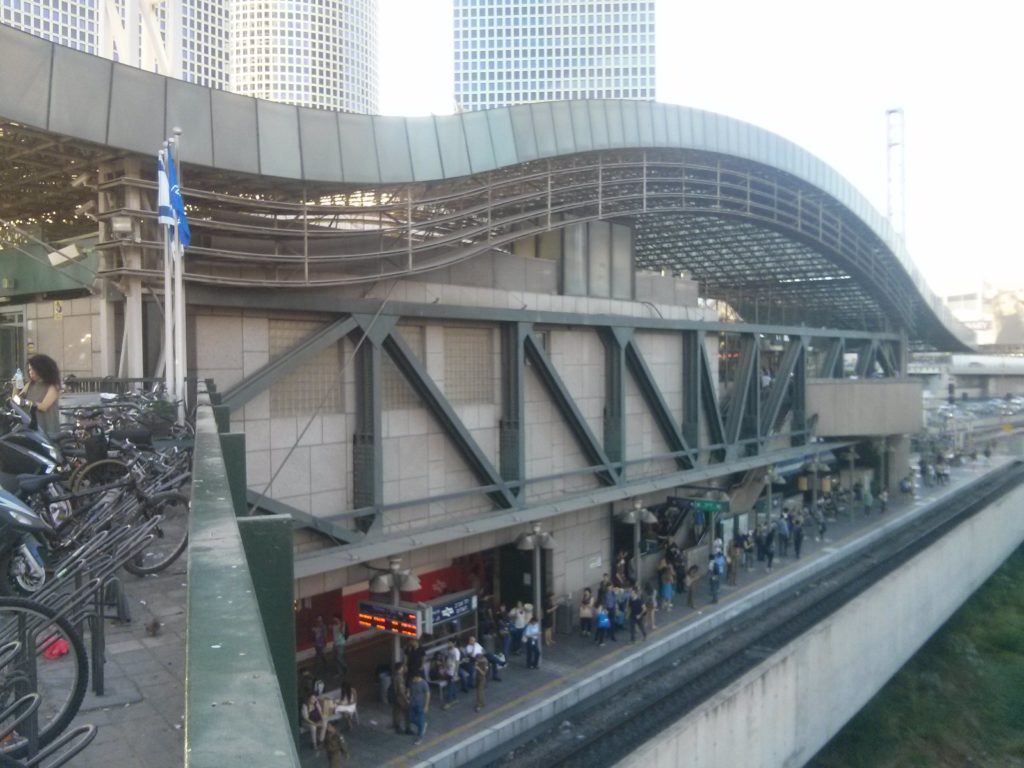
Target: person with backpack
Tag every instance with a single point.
(604, 623)
(716, 569)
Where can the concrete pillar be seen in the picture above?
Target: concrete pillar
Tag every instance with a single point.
(898, 457)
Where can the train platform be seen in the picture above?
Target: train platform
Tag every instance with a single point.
(140, 717)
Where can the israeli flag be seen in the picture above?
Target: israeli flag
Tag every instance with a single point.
(165, 214)
(177, 204)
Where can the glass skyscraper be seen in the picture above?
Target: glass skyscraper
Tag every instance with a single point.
(513, 51)
(315, 53)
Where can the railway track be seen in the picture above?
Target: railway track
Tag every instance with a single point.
(610, 725)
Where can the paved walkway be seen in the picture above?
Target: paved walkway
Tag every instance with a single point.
(140, 717)
(141, 722)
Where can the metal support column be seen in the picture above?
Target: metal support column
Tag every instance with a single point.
(512, 438)
(615, 341)
(367, 449)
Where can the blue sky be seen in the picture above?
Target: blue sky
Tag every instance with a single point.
(823, 74)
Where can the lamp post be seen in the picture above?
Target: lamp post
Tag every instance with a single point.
(396, 581)
(536, 540)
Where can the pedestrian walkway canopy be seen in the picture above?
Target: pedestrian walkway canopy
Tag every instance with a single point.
(304, 197)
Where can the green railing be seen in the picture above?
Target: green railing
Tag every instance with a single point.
(240, 707)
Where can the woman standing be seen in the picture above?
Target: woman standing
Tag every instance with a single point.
(43, 392)
(549, 618)
(586, 613)
(339, 634)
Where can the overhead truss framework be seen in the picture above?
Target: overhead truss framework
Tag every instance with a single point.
(773, 247)
(717, 427)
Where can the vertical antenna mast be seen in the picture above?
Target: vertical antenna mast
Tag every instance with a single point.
(896, 183)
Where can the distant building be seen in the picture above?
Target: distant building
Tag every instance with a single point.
(995, 315)
(514, 51)
(321, 53)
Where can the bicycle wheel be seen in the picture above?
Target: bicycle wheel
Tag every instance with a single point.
(49, 652)
(97, 473)
(171, 534)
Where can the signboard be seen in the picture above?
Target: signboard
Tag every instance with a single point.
(398, 620)
(447, 609)
(711, 505)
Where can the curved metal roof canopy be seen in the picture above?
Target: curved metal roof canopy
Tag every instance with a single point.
(756, 220)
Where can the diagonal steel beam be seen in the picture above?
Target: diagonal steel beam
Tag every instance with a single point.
(567, 407)
(887, 359)
(866, 358)
(709, 399)
(780, 384)
(303, 519)
(273, 371)
(651, 394)
(615, 341)
(416, 374)
(511, 428)
(832, 365)
(741, 389)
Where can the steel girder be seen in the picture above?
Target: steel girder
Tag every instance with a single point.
(750, 419)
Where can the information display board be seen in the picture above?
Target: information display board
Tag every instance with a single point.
(398, 620)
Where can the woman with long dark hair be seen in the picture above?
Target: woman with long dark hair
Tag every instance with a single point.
(43, 392)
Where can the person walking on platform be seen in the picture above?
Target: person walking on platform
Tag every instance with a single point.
(748, 551)
(869, 502)
(548, 622)
(667, 579)
(532, 638)
(419, 704)
(733, 559)
(610, 607)
(637, 610)
(798, 535)
(782, 535)
(692, 578)
(769, 547)
(414, 658)
(883, 502)
(586, 613)
(603, 625)
(400, 702)
(482, 667)
(504, 625)
(519, 616)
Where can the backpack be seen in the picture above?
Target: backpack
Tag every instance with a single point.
(718, 567)
(603, 622)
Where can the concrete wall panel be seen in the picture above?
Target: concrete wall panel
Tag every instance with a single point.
(865, 406)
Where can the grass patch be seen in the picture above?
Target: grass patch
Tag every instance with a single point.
(959, 701)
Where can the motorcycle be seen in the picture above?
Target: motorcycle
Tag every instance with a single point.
(22, 537)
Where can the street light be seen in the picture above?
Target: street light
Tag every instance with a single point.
(536, 540)
(396, 581)
(636, 517)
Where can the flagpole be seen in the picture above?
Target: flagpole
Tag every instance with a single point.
(169, 372)
(179, 298)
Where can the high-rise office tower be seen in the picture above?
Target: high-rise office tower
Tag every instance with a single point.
(513, 51)
(315, 53)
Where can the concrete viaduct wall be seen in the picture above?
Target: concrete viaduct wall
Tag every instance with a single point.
(783, 712)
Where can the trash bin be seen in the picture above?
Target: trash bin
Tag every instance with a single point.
(385, 683)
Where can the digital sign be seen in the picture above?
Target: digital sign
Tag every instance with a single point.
(397, 620)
